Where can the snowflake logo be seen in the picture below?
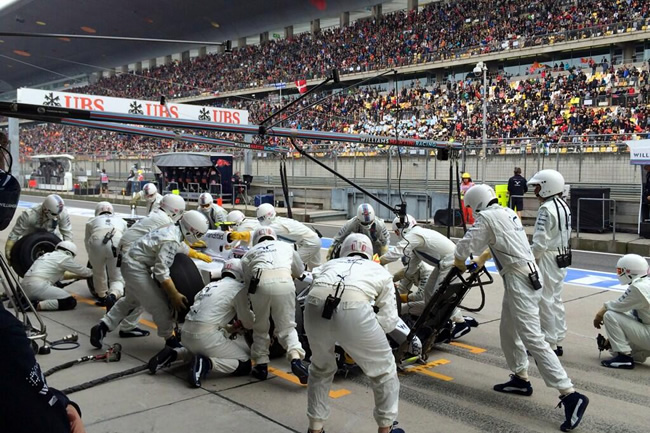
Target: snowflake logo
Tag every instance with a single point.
(204, 114)
(52, 101)
(135, 108)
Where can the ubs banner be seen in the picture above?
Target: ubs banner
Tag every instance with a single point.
(131, 106)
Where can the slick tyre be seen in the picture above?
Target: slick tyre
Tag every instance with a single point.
(187, 279)
(31, 247)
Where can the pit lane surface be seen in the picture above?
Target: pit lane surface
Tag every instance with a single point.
(452, 392)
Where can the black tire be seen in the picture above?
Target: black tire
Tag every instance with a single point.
(187, 279)
(31, 247)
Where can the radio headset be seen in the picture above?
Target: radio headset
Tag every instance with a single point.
(563, 258)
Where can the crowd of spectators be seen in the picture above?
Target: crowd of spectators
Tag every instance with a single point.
(560, 103)
(442, 30)
(607, 103)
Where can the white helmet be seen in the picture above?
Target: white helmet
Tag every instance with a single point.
(205, 199)
(356, 243)
(173, 205)
(194, 225)
(479, 197)
(408, 219)
(150, 192)
(236, 217)
(631, 267)
(264, 233)
(234, 268)
(53, 206)
(415, 346)
(68, 247)
(103, 207)
(365, 214)
(550, 181)
(265, 214)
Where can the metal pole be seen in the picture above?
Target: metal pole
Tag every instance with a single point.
(484, 123)
(390, 163)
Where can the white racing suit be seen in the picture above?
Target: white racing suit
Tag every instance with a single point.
(357, 329)
(33, 219)
(552, 235)
(500, 229)
(627, 321)
(277, 264)
(127, 310)
(423, 245)
(204, 330)
(306, 240)
(151, 205)
(47, 270)
(156, 251)
(415, 300)
(248, 225)
(376, 232)
(103, 255)
(215, 215)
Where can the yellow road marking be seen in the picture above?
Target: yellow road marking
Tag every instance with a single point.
(89, 301)
(423, 369)
(148, 323)
(339, 393)
(472, 349)
(286, 376)
(293, 379)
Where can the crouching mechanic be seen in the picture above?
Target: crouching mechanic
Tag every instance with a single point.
(499, 229)
(47, 270)
(240, 223)
(103, 235)
(413, 302)
(551, 248)
(367, 224)
(155, 252)
(289, 230)
(51, 216)
(419, 245)
(213, 212)
(207, 328)
(270, 267)
(150, 194)
(127, 310)
(627, 319)
(338, 310)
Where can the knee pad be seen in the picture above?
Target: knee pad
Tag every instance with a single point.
(67, 303)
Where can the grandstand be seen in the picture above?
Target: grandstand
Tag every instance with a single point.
(563, 78)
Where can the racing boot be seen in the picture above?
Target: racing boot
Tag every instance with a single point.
(162, 359)
(109, 301)
(515, 385)
(299, 369)
(260, 371)
(199, 370)
(97, 334)
(575, 405)
(459, 330)
(619, 361)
